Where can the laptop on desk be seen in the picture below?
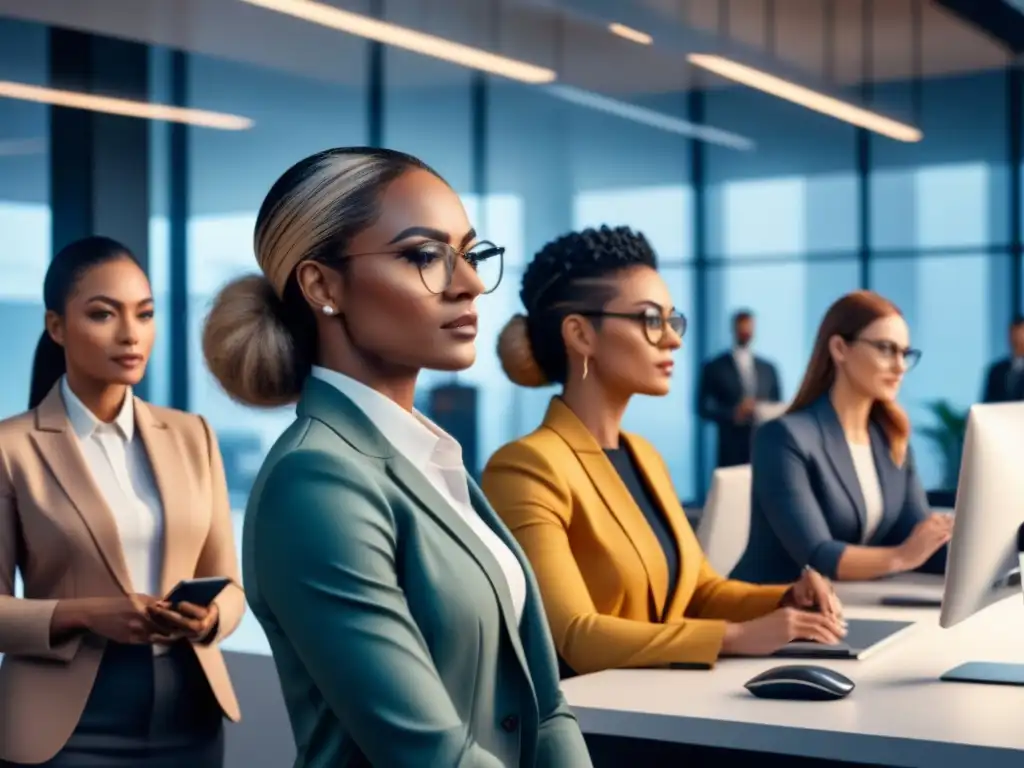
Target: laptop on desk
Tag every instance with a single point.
(863, 638)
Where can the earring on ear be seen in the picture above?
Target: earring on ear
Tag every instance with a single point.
(327, 309)
(586, 370)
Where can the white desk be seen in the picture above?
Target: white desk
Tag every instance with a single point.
(900, 714)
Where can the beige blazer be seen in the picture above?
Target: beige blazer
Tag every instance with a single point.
(57, 529)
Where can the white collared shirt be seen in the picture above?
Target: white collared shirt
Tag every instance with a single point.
(744, 359)
(121, 469)
(438, 456)
(870, 487)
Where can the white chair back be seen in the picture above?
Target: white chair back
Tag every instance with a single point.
(724, 526)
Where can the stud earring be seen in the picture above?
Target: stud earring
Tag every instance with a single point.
(586, 361)
(327, 309)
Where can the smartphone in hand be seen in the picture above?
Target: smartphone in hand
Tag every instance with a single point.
(199, 592)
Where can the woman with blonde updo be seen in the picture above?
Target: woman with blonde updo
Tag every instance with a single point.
(405, 623)
(624, 581)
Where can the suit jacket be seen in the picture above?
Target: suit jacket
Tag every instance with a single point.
(601, 569)
(997, 384)
(807, 504)
(391, 623)
(57, 529)
(720, 391)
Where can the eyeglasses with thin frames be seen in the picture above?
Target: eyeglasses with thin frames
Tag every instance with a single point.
(891, 351)
(437, 261)
(654, 323)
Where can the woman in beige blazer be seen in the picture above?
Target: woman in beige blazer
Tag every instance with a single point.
(106, 503)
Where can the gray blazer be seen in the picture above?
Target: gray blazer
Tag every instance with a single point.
(391, 624)
(807, 504)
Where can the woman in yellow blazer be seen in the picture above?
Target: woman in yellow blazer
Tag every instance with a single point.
(623, 579)
(106, 502)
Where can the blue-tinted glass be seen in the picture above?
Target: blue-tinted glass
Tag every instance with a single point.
(793, 194)
(25, 247)
(576, 166)
(948, 191)
(158, 373)
(957, 308)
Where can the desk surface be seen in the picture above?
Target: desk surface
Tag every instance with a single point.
(900, 714)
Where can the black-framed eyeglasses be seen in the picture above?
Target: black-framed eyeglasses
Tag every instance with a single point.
(654, 322)
(437, 261)
(890, 351)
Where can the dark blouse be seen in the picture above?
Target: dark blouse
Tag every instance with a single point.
(625, 465)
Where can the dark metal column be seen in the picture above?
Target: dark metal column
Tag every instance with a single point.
(376, 85)
(1015, 125)
(863, 150)
(99, 163)
(178, 212)
(698, 156)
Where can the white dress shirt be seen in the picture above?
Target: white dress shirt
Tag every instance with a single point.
(744, 359)
(870, 486)
(438, 456)
(122, 472)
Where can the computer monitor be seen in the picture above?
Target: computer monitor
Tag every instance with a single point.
(986, 541)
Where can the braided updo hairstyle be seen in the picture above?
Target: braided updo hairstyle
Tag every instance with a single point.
(570, 274)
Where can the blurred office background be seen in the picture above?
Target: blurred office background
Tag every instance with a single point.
(750, 200)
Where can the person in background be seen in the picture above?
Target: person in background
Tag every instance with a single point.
(1005, 379)
(106, 502)
(731, 386)
(624, 580)
(404, 621)
(835, 484)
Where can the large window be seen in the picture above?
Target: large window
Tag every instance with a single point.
(24, 210)
(956, 308)
(794, 194)
(948, 191)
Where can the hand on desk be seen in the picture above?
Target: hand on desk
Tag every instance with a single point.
(768, 634)
(928, 536)
(813, 592)
(810, 610)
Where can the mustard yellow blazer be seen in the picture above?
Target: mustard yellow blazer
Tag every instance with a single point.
(602, 573)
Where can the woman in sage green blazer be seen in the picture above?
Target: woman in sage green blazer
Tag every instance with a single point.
(405, 623)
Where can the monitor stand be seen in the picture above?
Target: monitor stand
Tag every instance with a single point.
(986, 672)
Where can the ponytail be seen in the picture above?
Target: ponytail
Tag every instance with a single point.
(47, 368)
(65, 270)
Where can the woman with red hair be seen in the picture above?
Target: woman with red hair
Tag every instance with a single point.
(834, 482)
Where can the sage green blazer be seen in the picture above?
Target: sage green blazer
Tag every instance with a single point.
(391, 624)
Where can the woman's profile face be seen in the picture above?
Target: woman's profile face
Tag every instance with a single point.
(395, 303)
(874, 362)
(635, 344)
(107, 330)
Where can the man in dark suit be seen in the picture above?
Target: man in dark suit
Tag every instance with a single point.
(731, 386)
(1005, 379)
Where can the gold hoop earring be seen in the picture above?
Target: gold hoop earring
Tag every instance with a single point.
(586, 369)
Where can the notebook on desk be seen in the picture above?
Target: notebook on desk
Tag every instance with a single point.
(863, 638)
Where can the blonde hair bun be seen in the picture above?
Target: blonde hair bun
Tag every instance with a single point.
(516, 354)
(248, 347)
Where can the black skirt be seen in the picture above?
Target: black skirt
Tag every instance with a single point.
(146, 711)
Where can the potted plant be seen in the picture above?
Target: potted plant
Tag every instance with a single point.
(947, 436)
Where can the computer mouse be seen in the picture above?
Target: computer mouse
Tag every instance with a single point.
(800, 682)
